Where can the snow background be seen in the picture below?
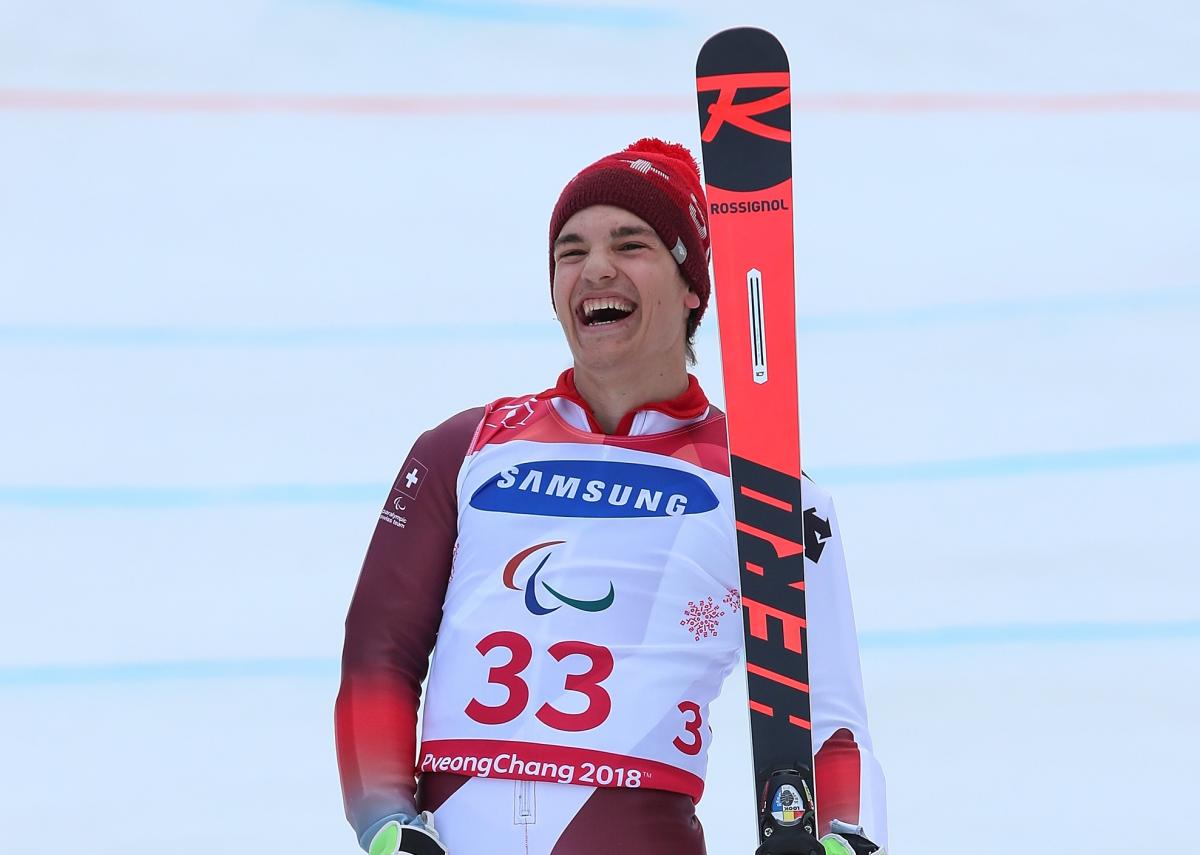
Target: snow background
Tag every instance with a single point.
(222, 323)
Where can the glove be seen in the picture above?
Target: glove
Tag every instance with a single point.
(407, 836)
(843, 839)
(792, 841)
(846, 839)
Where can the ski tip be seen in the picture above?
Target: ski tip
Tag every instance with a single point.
(743, 95)
(739, 50)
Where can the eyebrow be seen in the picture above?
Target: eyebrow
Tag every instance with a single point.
(619, 232)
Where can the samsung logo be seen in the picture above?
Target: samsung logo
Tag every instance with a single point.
(592, 488)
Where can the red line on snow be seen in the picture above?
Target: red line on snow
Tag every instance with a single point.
(482, 104)
(356, 105)
(997, 102)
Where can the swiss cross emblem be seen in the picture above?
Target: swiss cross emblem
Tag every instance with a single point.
(647, 168)
(412, 476)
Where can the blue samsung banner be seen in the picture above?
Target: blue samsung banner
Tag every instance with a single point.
(594, 488)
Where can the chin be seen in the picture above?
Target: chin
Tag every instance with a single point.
(602, 358)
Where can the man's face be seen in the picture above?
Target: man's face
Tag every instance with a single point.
(618, 292)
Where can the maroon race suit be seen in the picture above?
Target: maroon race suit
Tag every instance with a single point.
(396, 612)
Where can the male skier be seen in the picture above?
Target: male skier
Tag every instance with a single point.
(572, 553)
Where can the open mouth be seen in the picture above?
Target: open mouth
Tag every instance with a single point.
(600, 311)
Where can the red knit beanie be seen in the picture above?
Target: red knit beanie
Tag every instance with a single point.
(660, 182)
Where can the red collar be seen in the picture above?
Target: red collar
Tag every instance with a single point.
(690, 404)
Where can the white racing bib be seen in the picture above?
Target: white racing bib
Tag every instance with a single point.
(593, 610)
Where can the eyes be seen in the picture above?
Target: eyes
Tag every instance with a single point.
(626, 247)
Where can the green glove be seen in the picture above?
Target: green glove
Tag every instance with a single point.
(414, 836)
(847, 839)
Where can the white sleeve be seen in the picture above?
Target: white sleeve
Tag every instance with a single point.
(849, 777)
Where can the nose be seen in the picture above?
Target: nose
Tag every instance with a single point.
(598, 267)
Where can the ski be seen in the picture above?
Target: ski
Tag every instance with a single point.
(744, 99)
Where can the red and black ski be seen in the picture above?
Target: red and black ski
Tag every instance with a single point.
(743, 90)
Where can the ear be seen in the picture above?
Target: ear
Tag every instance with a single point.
(692, 301)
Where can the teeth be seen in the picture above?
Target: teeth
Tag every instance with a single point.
(595, 304)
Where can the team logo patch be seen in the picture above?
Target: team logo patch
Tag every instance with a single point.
(787, 807)
(411, 479)
(594, 488)
(531, 585)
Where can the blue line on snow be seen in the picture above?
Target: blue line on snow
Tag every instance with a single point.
(991, 311)
(1031, 633)
(174, 498)
(985, 311)
(627, 17)
(148, 672)
(1007, 466)
(279, 337)
(937, 638)
(373, 493)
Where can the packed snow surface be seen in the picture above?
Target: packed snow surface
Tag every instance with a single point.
(249, 250)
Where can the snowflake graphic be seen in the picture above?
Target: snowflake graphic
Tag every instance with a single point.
(733, 600)
(702, 618)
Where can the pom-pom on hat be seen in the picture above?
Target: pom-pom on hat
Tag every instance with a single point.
(660, 182)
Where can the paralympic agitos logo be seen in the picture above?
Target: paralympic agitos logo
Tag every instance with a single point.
(531, 585)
